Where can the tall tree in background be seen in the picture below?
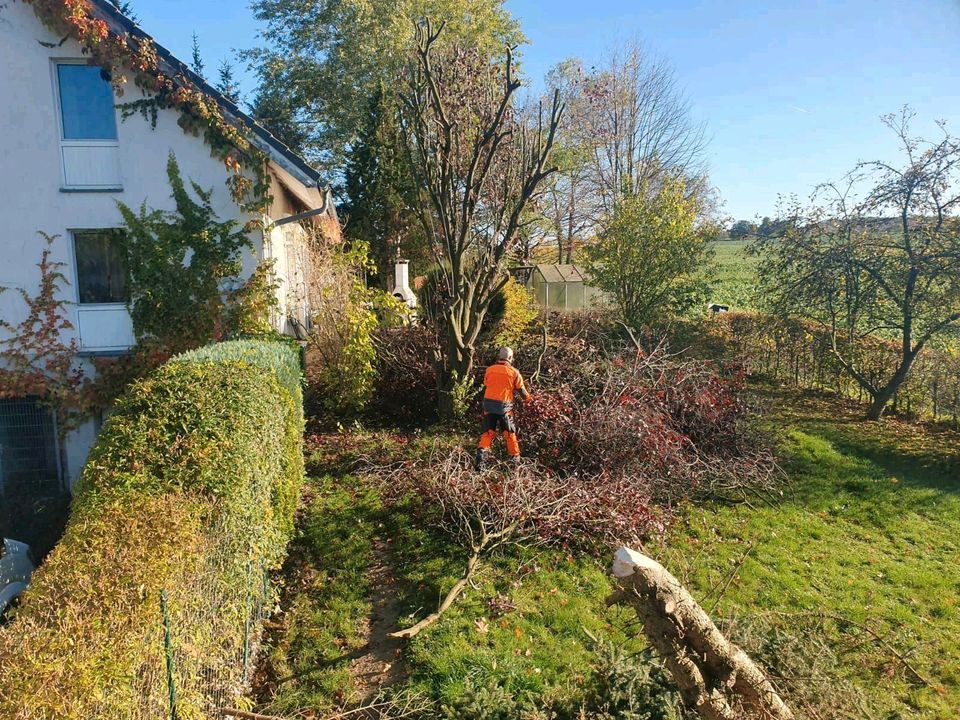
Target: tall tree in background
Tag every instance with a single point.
(196, 58)
(477, 165)
(331, 56)
(322, 65)
(277, 108)
(640, 126)
(569, 198)
(226, 83)
(743, 229)
(876, 258)
(628, 127)
(378, 207)
(126, 7)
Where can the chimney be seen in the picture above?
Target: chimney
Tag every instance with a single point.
(401, 284)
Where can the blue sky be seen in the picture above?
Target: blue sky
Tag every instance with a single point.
(791, 92)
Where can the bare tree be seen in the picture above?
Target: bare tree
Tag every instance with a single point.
(884, 267)
(639, 123)
(570, 198)
(477, 167)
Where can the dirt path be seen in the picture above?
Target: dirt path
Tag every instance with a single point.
(381, 663)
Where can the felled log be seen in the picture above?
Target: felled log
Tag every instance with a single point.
(714, 676)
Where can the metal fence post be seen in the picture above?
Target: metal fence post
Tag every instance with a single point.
(246, 626)
(168, 646)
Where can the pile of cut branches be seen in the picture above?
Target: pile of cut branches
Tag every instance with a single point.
(680, 429)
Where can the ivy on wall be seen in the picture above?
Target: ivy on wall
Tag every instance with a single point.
(129, 58)
(177, 263)
(178, 266)
(34, 359)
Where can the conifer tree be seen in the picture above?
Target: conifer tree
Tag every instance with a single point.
(227, 84)
(196, 62)
(279, 110)
(376, 178)
(125, 7)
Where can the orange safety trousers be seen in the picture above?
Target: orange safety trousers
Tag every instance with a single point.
(510, 438)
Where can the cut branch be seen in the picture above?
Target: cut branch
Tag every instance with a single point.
(714, 676)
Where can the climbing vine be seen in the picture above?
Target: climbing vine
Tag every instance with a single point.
(177, 264)
(180, 266)
(34, 359)
(120, 53)
(345, 316)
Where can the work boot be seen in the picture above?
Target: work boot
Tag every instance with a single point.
(480, 460)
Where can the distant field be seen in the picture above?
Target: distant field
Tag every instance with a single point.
(735, 275)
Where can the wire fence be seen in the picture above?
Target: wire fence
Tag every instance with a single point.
(181, 674)
(800, 354)
(33, 498)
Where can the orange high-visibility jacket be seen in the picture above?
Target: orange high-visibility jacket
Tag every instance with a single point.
(502, 381)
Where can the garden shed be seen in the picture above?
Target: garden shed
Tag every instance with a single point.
(563, 287)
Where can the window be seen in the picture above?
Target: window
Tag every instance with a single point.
(89, 146)
(101, 267)
(86, 103)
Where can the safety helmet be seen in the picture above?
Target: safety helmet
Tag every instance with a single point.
(506, 354)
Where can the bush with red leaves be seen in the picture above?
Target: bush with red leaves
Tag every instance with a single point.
(683, 428)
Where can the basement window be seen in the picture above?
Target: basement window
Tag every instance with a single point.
(88, 128)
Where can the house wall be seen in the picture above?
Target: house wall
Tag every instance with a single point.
(31, 180)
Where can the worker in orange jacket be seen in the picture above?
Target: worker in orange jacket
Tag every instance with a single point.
(501, 381)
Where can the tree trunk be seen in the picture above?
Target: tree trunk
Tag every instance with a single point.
(882, 397)
(714, 676)
(454, 368)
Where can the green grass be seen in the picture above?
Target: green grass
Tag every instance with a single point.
(868, 531)
(326, 600)
(536, 644)
(525, 626)
(734, 276)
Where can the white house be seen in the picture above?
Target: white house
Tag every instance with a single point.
(66, 159)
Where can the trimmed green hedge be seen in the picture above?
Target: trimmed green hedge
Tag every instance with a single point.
(190, 490)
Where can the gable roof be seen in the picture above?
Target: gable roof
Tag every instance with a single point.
(260, 137)
(553, 273)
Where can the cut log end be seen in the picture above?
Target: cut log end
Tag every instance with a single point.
(696, 653)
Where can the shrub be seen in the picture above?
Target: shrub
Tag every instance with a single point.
(345, 316)
(189, 490)
(800, 352)
(406, 380)
(676, 428)
(630, 687)
(177, 263)
(520, 311)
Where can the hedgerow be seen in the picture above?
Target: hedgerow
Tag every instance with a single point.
(800, 353)
(190, 491)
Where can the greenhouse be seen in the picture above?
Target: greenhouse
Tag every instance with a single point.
(563, 287)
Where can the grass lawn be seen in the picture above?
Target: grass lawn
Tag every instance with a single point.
(868, 532)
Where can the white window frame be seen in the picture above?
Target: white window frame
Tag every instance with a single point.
(64, 143)
(76, 272)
